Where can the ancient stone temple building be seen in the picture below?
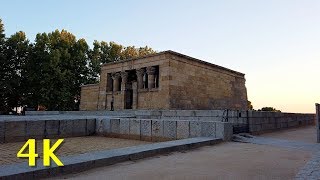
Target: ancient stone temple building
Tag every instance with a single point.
(165, 80)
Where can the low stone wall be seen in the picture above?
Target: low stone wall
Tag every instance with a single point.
(83, 113)
(15, 131)
(162, 130)
(254, 122)
(231, 116)
(260, 122)
(234, 117)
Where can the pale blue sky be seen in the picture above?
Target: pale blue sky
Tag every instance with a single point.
(275, 43)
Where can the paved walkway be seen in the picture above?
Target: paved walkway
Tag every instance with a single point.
(305, 134)
(277, 155)
(290, 144)
(71, 146)
(229, 160)
(300, 138)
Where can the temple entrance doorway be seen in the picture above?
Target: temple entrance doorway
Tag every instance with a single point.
(128, 101)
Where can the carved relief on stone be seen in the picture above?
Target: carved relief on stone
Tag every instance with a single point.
(115, 76)
(140, 74)
(151, 80)
(151, 70)
(124, 76)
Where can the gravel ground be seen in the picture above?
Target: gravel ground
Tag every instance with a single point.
(70, 146)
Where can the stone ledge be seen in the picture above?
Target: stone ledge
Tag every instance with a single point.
(88, 85)
(154, 89)
(142, 90)
(96, 159)
(148, 90)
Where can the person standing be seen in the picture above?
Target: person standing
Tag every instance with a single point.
(112, 102)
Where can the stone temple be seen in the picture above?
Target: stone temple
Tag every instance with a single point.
(165, 80)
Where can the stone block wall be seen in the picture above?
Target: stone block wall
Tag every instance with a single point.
(256, 121)
(154, 98)
(232, 116)
(162, 130)
(2, 132)
(184, 83)
(89, 97)
(118, 100)
(16, 131)
(152, 125)
(260, 122)
(196, 85)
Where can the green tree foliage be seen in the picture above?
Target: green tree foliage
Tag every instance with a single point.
(13, 56)
(50, 71)
(17, 54)
(3, 70)
(104, 52)
(269, 109)
(61, 68)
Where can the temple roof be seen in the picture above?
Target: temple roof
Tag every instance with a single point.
(179, 55)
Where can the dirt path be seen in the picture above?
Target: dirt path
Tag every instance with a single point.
(224, 161)
(303, 134)
(273, 159)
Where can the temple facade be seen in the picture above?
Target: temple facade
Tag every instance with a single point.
(165, 80)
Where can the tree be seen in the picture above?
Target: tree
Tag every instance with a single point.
(129, 52)
(60, 64)
(269, 109)
(104, 52)
(3, 70)
(50, 71)
(79, 68)
(250, 107)
(96, 57)
(144, 51)
(36, 69)
(17, 55)
(57, 70)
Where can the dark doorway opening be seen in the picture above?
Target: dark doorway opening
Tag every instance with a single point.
(132, 77)
(128, 99)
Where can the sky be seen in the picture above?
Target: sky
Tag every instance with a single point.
(275, 43)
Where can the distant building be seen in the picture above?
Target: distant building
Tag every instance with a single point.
(165, 80)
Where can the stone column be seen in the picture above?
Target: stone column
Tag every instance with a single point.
(124, 77)
(151, 71)
(140, 73)
(318, 121)
(109, 82)
(115, 78)
(135, 95)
